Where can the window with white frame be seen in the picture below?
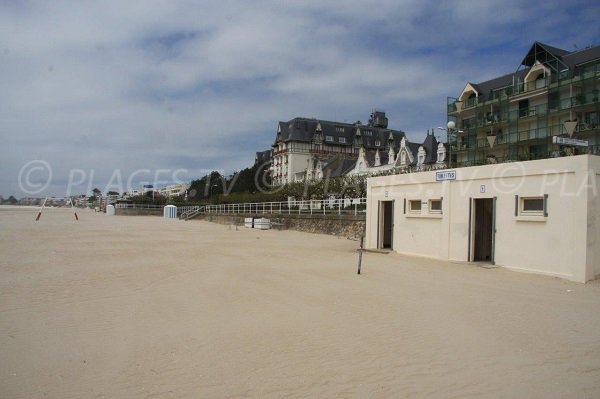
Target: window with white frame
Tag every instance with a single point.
(421, 156)
(342, 140)
(329, 139)
(531, 205)
(414, 206)
(435, 206)
(377, 143)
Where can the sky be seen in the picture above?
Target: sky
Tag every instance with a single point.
(114, 94)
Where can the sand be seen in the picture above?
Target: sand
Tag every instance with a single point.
(142, 307)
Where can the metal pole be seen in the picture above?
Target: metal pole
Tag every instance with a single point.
(360, 252)
(449, 149)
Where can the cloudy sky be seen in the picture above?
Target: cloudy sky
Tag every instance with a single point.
(128, 91)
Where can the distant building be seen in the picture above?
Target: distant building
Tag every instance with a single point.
(535, 112)
(306, 149)
(263, 157)
(312, 149)
(173, 190)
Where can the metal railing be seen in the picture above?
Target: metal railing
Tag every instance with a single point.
(345, 206)
(188, 212)
(139, 206)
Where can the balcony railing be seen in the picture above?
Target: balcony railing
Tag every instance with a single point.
(470, 103)
(525, 87)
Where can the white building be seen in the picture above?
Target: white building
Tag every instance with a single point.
(311, 149)
(308, 149)
(538, 216)
(173, 190)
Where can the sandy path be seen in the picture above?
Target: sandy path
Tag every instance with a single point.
(140, 307)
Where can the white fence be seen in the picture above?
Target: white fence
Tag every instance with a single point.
(346, 206)
(180, 209)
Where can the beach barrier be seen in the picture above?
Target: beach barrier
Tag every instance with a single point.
(69, 201)
(170, 212)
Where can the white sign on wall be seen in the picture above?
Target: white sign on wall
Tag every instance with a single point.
(482, 188)
(568, 141)
(445, 175)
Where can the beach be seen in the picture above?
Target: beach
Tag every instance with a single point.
(143, 307)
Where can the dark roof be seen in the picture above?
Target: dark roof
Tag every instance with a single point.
(484, 88)
(341, 134)
(581, 57)
(430, 145)
(538, 49)
(570, 59)
(338, 166)
(413, 147)
(263, 156)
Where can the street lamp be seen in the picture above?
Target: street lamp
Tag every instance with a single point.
(450, 133)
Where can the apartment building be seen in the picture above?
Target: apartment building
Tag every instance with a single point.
(548, 107)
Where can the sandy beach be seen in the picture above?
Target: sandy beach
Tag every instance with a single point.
(142, 307)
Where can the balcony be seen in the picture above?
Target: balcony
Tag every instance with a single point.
(470, 102)
(533, 85)
(538, 110)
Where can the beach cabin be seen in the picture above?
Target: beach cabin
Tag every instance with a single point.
(539, 216)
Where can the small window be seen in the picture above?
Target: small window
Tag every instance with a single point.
(342, 139)
(435, 206)
(532, 205)
(329, 138)
(377, 143)
(414, 206)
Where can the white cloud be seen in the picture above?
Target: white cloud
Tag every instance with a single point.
(172, 84)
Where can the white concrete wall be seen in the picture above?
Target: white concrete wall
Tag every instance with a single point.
(593, 249)
(564, 244)
(297, 162)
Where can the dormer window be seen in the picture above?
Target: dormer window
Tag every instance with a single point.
(342, 140)
(329, 139)
(441, 153)
(421, 156)
(339, 129)
(403, 157)
(377, 143)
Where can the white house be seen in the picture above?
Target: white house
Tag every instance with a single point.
(539, 216)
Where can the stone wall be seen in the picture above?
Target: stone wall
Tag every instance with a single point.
(343, 226)
(139, 211)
